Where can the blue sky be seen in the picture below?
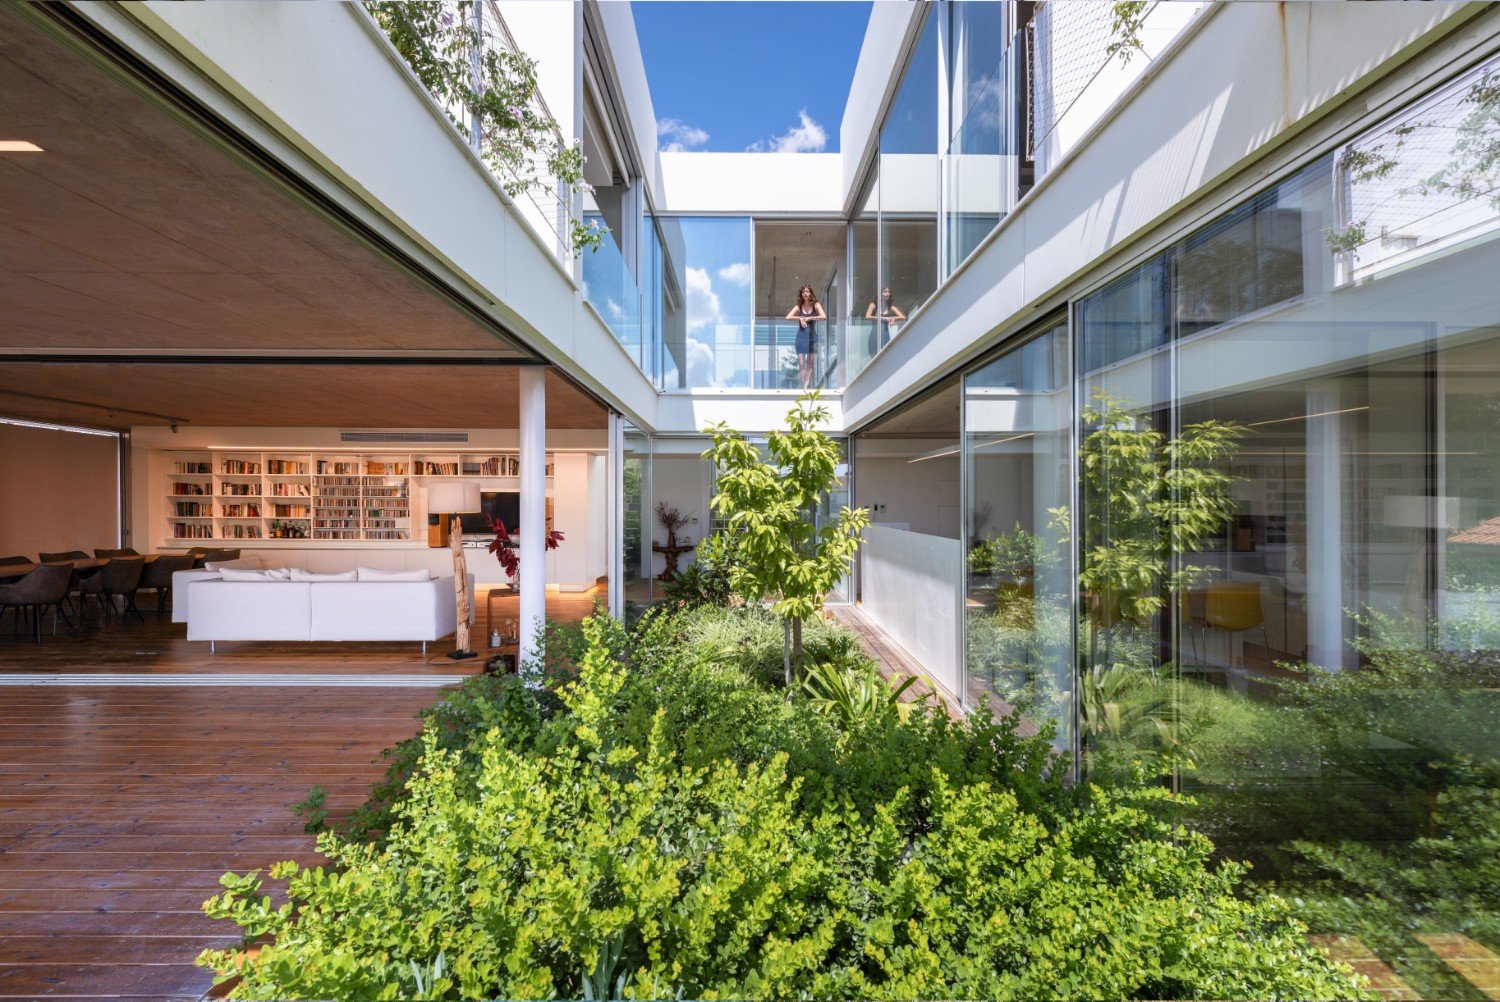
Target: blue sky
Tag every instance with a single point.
(731, 75)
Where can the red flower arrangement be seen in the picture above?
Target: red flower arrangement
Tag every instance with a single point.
(504, 550)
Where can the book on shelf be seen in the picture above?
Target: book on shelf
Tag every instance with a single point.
(192, 530)
(239, 467)
(239, 490)
(188, 489)
(191, 466)
(286, 467)
(193, 509)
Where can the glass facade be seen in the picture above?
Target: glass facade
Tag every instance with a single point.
(951, 162)
(909, 195)
(1240, 521)
(706, 318)
(1018, 587)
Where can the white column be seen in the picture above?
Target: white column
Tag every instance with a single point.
(1325, 527)
(533, 446)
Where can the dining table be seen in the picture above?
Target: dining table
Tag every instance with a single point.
(84, 567)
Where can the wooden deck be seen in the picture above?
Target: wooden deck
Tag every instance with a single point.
(122, 804)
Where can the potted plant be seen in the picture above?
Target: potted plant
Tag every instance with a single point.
(504, 549)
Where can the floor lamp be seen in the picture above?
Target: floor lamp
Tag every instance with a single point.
(453, 499)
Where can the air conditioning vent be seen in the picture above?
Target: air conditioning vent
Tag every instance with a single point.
(406, 437)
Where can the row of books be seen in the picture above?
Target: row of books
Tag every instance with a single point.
(194, 509)
(188, 488)
(241, 510)
(191, 467)
(192, 530)
(286, 466)
(239, 467)
(286, 490)
(240, 490)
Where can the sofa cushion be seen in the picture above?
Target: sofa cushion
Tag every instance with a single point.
(298, 574)
(374, 574)
(237, 574)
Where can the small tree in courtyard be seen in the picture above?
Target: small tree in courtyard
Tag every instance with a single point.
(772, 546)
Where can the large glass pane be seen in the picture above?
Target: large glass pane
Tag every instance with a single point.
(609, 285)
(1288, 573)
(706, 313)
(977, 175)
(788, 256)
(636, 470)
(907, 472)
(1019, 593)
(866, 332)
(909, 144)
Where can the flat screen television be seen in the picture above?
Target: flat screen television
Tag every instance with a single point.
(504, 505)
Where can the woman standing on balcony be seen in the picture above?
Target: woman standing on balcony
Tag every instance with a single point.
(807, 312)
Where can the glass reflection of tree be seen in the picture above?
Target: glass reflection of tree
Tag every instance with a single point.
(1148, 500)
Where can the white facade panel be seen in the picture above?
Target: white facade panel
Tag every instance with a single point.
(751, 183)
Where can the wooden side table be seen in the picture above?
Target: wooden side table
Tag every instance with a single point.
(489, 606)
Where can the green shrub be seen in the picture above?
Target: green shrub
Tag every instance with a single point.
(667, 826)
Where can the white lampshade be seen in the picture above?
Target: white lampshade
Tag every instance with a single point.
(453, 498)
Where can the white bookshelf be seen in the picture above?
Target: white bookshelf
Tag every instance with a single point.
(316, 497)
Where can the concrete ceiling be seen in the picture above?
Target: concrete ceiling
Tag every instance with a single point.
(131, 231)
(284, 396)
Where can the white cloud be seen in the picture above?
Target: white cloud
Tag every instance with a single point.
(700, 364)
(616, 311)
(805, 137)
(674, 135)
(702, 302)
(737, 273)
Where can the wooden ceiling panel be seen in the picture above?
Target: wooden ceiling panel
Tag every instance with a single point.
(184, 246)
(285, 396)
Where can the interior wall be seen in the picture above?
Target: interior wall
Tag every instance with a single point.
(921, 496)
(59, 490)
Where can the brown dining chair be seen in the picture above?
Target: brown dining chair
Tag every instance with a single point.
(49, 558)
(44, 587)
(106, 554)
(157, 577)
(14, 560)
(221, 556)
(120, 578)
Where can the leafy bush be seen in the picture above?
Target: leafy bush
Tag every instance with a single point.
(667, 826)
(857, 695)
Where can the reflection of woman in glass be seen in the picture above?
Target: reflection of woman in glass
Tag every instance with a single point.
(807, 313)
(890, 316)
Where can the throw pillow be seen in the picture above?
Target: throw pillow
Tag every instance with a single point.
(298, 574)
(374, 574)
(247, 574)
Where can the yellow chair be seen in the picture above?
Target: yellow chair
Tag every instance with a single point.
(1234, 607)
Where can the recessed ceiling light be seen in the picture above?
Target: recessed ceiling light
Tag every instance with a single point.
(18, 146)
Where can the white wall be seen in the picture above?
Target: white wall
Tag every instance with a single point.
(59, 491)
(923, 496)
(908, 586)
(751, 183)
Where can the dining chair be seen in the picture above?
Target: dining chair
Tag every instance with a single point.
(14, 560)
(43, 587)
(157, 577)
(1234, 607)
(121, 577)
(122, 552)
(48, 558)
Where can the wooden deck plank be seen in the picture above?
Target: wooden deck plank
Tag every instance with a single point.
(1469, 960)
(1350, 950)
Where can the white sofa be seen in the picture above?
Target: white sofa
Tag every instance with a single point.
(317, 610)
